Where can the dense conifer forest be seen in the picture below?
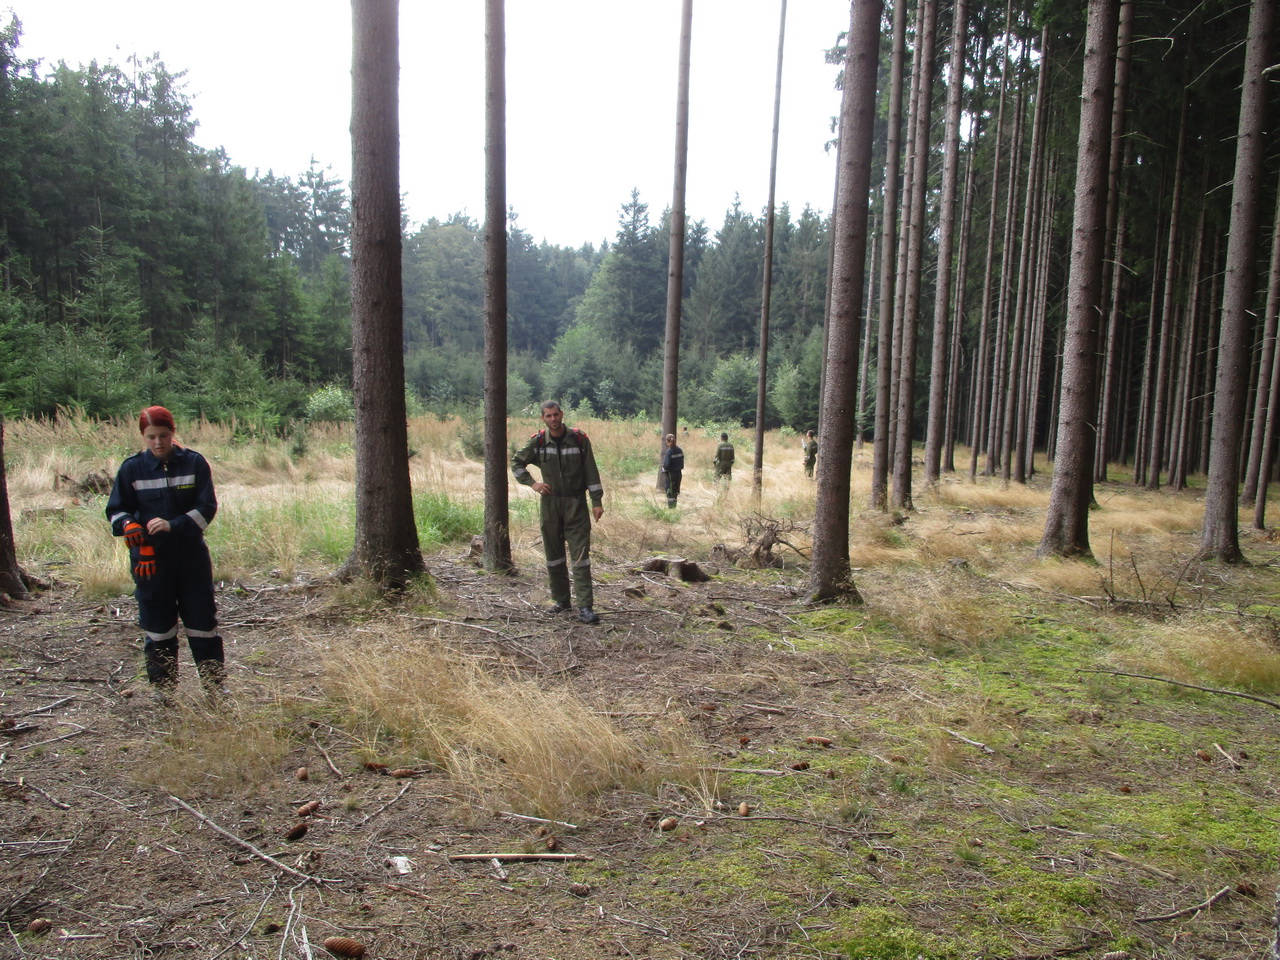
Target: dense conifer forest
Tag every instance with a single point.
(139, 265)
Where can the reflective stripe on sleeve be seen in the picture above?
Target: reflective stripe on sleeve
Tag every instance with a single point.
(199, 519)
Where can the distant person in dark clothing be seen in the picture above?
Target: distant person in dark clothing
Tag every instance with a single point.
(723, 461)
(810, 447)
(673, 467)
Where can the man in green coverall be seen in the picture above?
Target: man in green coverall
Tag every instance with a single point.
(810, 448)
(569, 475)
(723, 461)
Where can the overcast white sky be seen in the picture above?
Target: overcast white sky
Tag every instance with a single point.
(590, 96)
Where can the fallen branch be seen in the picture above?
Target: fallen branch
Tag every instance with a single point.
(1235, 764)
(324, 753)
(973, 743)
(1189, 686)
(558, 823)
(1187, 911)
(65, 736)
(388, 803)
(515, 857)
(252, 923)
(246, 845)
(23, 783)
(1154, 871)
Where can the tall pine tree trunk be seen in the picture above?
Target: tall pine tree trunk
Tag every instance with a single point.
(1110, 274)
(1160, 386)
(888, 264)
(830, 574)
(1263, 395)
(1066, 531)
(675, 259)
(762, 375)
(940, 366)
(1220, 536)
(927, 20)
(386, 538)
(497, 529)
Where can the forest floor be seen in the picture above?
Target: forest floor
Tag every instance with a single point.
(867, 783)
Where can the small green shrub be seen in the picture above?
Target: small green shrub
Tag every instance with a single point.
(331, 404)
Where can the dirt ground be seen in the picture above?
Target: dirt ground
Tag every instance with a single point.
(122, 869)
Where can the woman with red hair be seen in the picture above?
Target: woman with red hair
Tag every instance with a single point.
(161, 503)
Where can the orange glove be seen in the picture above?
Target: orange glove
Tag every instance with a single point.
(145, 568)
(134, 534)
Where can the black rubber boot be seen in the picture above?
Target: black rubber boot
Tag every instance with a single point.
(208, 655)
(162, 667)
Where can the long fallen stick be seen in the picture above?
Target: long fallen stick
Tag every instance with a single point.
(1187, 911)
(246, 845)
(512, 857)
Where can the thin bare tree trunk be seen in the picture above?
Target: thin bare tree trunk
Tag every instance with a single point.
(1015, 412)
(762, 378)
(830, 574)
(675, 258)
(1160, 387)
(1263, 396)
(927, 18)
(1183, 384)
(1002, 368)
(1210, 356)
(1110, 274)
(1268, 443)
(497, 530)
(888, 284)
(867, 330)
(943, 298)
(1220, 537)
(981, 415)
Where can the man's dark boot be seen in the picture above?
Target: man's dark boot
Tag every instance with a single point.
(208, 655)
(161, 659)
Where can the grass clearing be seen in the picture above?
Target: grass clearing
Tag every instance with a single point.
(945, 772)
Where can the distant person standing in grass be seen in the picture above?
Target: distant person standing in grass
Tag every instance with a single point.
(810, 447)
(569, 475)
(723, 461)
(161, 503)
(673, 467)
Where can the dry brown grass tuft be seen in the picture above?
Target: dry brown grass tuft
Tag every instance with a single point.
(510, 743)
(227, 752)
(1074, 578)
(992, 494)
(1236, 652)
(936, 611)
(1149, 515)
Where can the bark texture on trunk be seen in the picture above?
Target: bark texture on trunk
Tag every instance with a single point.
(1066, 531)
(386, 541)
(497, 530)
(830, 575)
(1220, 537)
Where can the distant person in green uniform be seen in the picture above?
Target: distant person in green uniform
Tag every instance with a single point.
(673, 467)
(569, 476)
(723, 461)
(810, 447)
